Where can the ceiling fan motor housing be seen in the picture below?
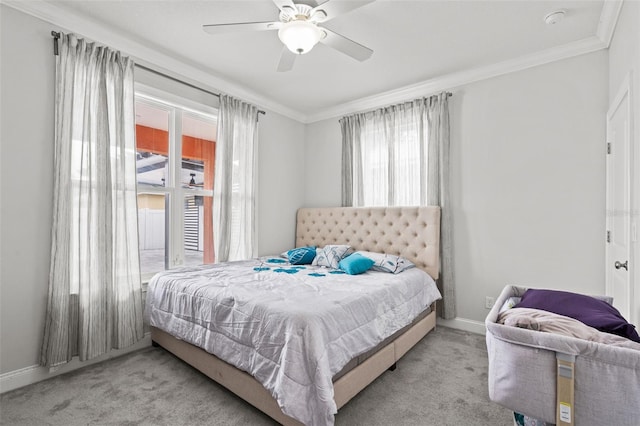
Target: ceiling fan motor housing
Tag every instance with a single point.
(301, 12)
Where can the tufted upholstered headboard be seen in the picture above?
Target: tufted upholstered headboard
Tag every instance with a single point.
(411, 232)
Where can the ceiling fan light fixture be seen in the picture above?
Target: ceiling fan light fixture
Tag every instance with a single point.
(299, 36)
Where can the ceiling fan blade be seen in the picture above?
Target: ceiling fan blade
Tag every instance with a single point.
(346, 46)
(286, 60)
(333, 8)
(241, 27)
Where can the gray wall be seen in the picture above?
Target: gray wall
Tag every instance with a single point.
(26, 150)
(527, 164)
(323, 164)
(527, 176)
(280, 182)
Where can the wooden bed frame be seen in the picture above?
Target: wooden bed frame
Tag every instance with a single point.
(412, 232)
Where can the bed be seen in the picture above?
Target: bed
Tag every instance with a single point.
(277, 383)
(568, 374)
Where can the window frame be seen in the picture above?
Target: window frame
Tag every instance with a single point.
(173, 191)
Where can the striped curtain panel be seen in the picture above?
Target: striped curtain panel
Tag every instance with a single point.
(385, 156)
(234, 191)
(399, 156)
(95, 297)
(438, 194)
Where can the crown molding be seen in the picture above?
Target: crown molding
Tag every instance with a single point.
(451, 81)
(176, 67)
(608, 20)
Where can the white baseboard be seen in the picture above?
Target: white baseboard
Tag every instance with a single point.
(35, 373)
(458, 323)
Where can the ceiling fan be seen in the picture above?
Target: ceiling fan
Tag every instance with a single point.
(299, 29)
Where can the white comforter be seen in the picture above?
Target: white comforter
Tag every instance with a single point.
(290, 327)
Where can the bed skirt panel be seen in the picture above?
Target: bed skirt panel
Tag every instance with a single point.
(252, 391)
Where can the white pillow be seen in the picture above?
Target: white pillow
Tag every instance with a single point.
(388, 262)
(330, 255)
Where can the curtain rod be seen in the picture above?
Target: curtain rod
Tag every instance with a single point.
(448, 94)
(56, 36)
(186, 83)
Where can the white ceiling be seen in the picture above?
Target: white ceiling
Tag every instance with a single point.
(413, 42)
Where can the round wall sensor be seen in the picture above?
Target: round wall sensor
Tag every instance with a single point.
(554, 17)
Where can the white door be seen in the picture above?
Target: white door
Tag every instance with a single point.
(618, 266)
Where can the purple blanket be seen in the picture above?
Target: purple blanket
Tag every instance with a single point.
(591, 311)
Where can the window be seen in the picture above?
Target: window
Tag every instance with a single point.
(391, 164)
(175, 147)
(387, 156)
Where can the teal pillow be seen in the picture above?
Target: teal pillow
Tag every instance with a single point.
(301, 255)
(355, 264)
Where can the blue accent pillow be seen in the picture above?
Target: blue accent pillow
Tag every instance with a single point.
(301, 255)
(591, 311)
(355, 264)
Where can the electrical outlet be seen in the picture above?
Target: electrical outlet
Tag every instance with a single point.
(489, 302)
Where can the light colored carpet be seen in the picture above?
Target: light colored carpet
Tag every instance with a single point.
(442, 381)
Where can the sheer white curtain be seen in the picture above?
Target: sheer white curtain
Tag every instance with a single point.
(95, 298)
(234, 225)
(385, 156)
(399, 156)
(438, 194)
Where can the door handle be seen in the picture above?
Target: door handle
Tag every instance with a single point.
(619, 265)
